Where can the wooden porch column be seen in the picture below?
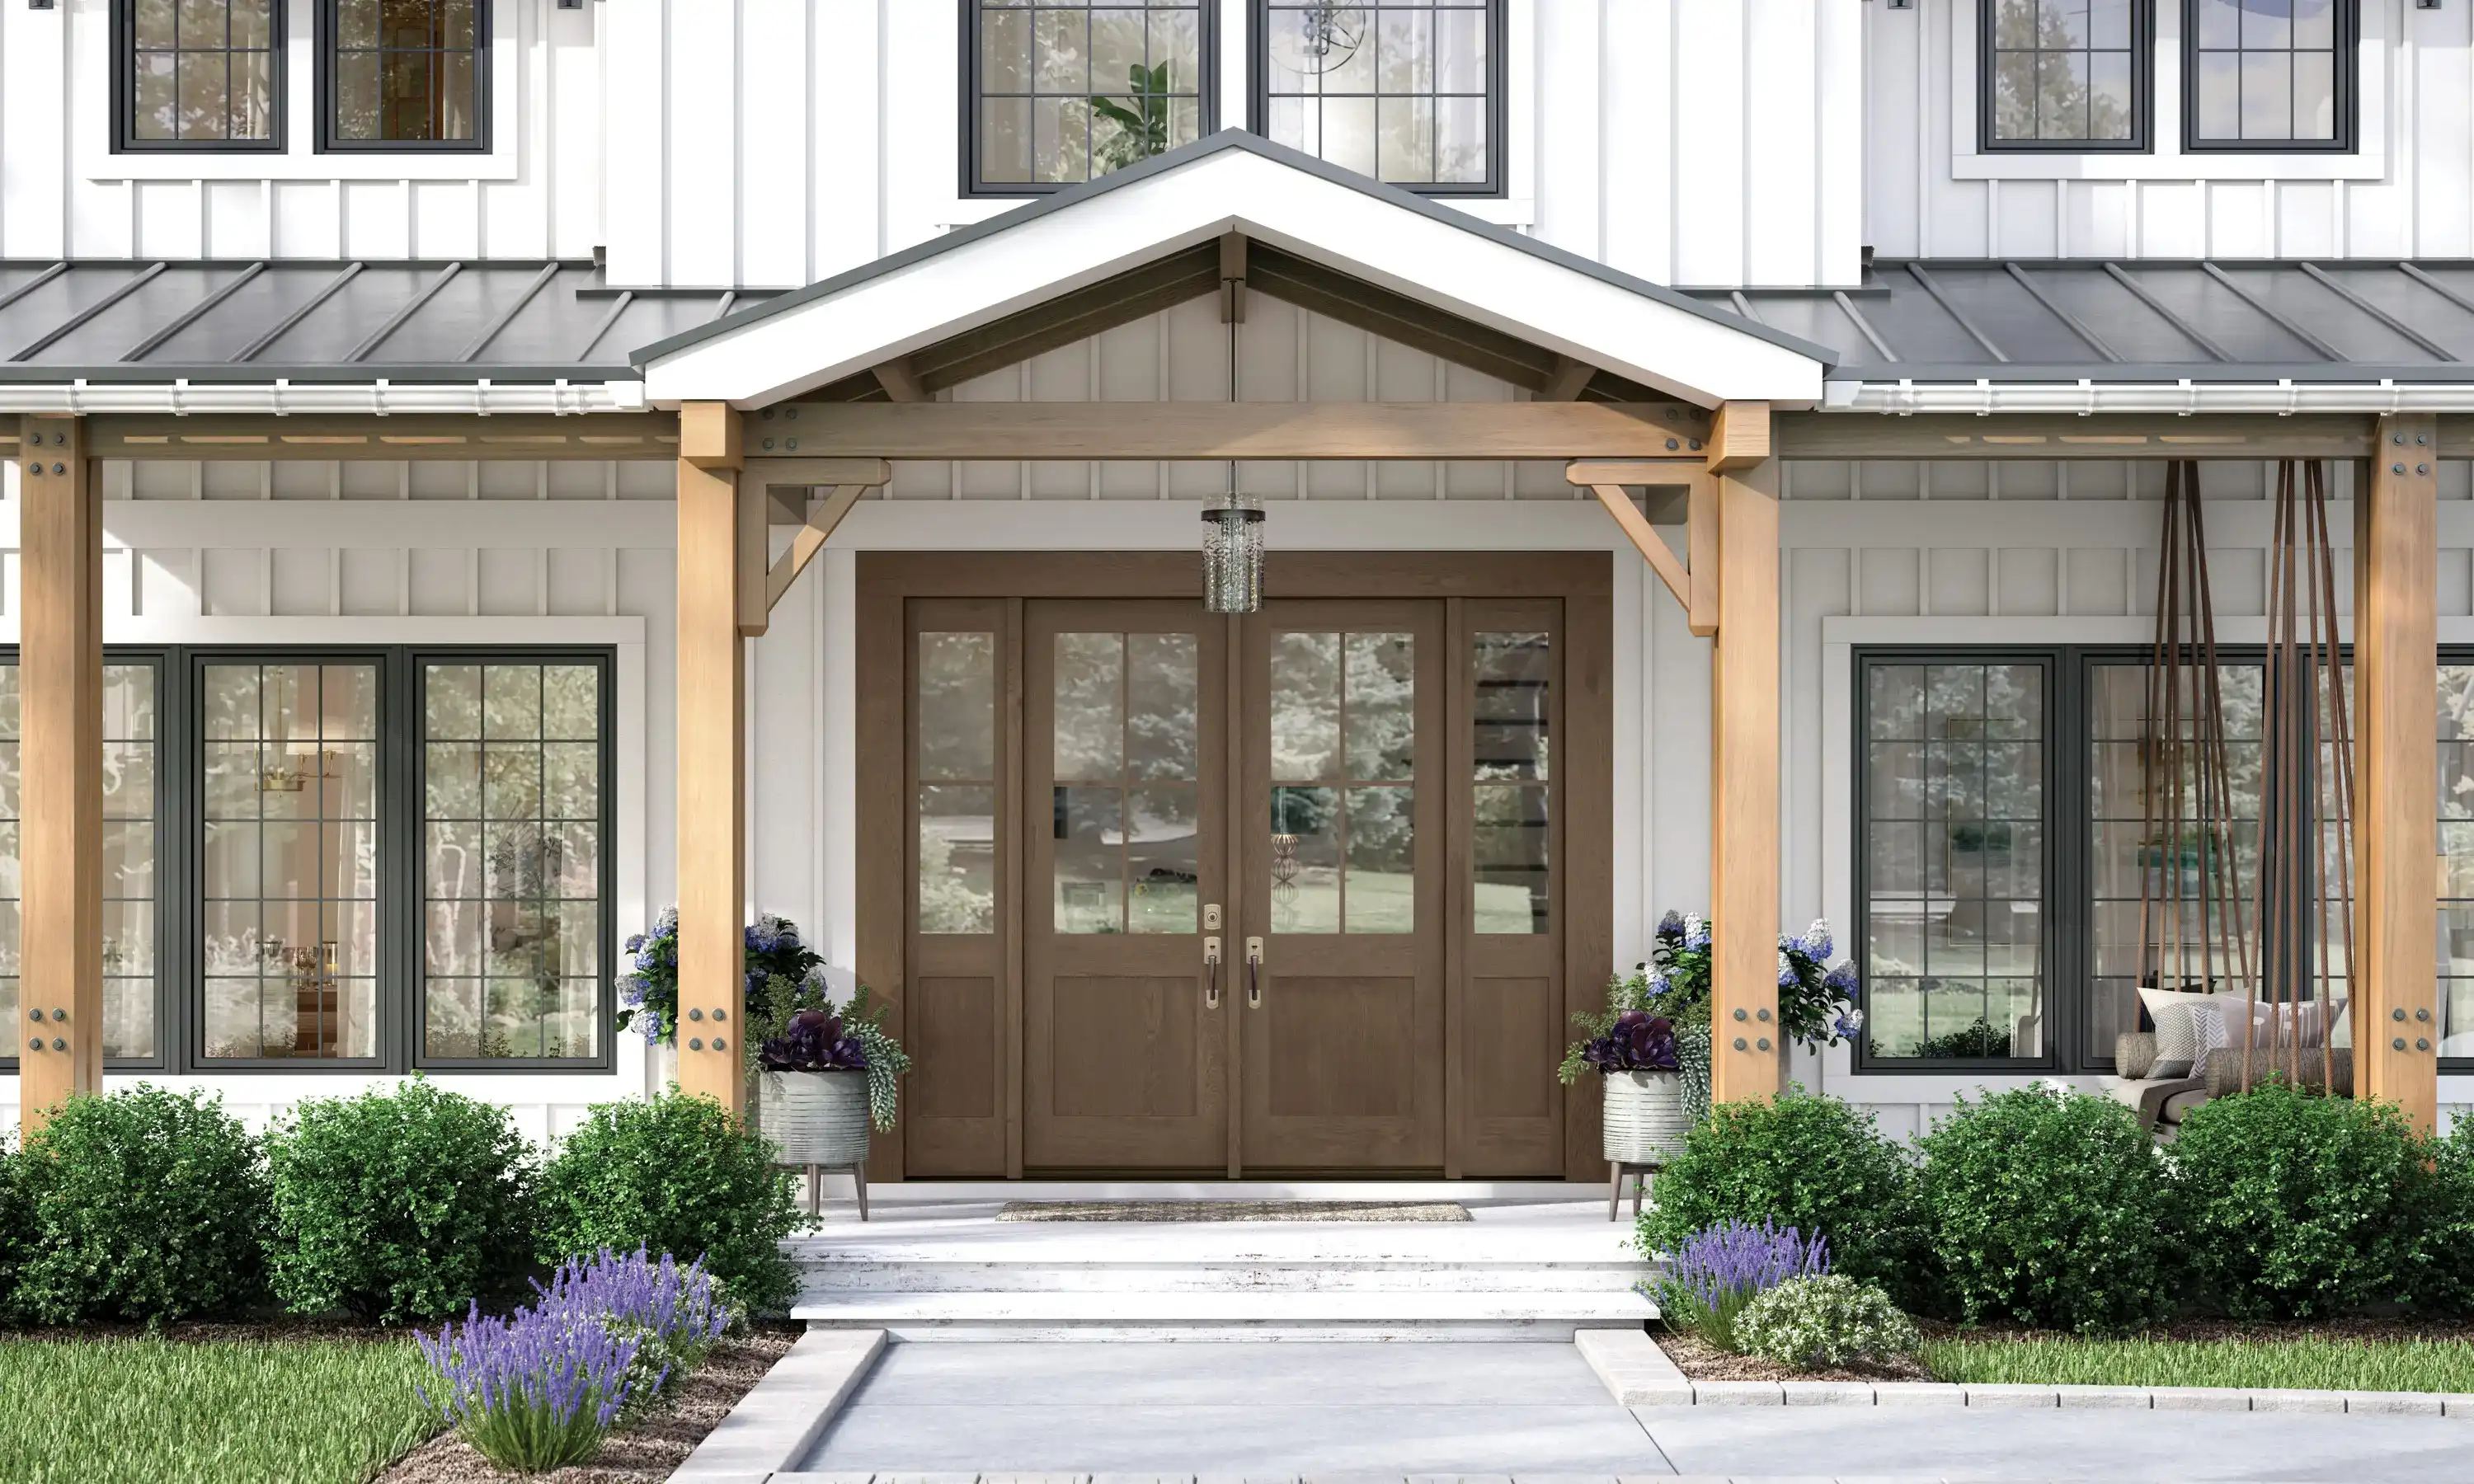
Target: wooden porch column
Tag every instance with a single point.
(713, 735)
(2396, 647)
(58, 1031)
(1744, 789)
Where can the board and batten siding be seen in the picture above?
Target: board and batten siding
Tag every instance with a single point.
(2406, 191)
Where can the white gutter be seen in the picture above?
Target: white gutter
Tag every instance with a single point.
(281, 398)
(2149, 396)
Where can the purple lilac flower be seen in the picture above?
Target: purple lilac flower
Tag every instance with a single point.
(1841, 979)
(1787, 978)
(1817, 942)
(1696, 934)
(1671, 925)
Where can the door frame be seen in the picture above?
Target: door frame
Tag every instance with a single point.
(887, 581)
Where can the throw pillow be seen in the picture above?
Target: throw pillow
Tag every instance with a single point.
(2207, 1020)
(2177, 1048)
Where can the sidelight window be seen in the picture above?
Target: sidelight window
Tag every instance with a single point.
(1511, 720)
(1408, 91)
(955, 713)
(197, 74)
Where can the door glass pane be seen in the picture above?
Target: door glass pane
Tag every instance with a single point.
(954, 711)
(1344, 711)
(957, 889)
(289, 877)
(1510, 836)
(958, 719)
(1128, 724)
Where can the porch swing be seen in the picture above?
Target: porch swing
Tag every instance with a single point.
(2234, 991)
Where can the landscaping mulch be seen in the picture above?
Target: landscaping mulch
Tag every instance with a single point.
(643, 1452)
(1705, 1362)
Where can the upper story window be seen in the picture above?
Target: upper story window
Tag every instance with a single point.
(1408, 91)
(2269, 74)
(403, 74)
(197, 74)
(2063, 74)
(1061, 94)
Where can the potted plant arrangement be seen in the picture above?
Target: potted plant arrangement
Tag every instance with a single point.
(1636, 1054)
(649, 992)
(825, 1076)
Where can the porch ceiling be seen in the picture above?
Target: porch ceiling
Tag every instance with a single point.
(1147, 237)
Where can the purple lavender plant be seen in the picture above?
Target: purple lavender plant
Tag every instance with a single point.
(534, 1392)
(674, 1313)
(1720, 1268)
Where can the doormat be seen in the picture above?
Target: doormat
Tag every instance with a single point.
(1233, 1210)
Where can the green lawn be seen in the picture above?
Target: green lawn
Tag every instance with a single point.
(172, 1412)
(2319, 1363)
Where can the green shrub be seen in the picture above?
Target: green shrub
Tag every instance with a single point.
(400, 1205)
(2448, 1242)
(2047, 1208)
(1815, 1164)
(677, 1175)
(16, 1234)
(2290, 1204)
(143, 1205)
(1826, 1321)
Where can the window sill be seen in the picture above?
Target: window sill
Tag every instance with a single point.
(2166, 165)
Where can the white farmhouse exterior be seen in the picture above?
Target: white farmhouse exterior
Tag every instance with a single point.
(402, 355)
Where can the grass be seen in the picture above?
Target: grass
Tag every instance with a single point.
(151, 1411)
(2313, 1362)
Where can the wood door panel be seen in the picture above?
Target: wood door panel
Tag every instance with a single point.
(1319, 1031)
(1125, 1046)
(1507, 1064)
(956, 1025)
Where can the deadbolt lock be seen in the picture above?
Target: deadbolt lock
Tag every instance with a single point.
(1211, 917)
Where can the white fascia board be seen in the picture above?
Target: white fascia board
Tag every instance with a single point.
(379, 398)
(1675, 349)
(2151, 396)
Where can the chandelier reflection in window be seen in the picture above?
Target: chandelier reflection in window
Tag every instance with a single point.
(1318, 37)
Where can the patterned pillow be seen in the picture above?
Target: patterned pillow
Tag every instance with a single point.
(2177, 1043)
(2207, 1020)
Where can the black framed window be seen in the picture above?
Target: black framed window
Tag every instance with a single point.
(1057, 94)
(403, 75)
(197, 74)
(1956, 856)
(1408, 91)
(2063, 74)
(514, 858)
(2269, 74)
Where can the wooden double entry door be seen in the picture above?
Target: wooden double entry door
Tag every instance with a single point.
(1199, 895)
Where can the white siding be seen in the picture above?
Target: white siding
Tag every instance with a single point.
(2407, 192)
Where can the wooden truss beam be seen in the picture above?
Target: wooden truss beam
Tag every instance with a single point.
(822, 516)
(2396, 631)
(59, 675)
(601, 435)
(1250, 430)
(778, 492)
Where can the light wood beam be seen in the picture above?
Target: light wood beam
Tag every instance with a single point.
(1739, 437)
(1702, 524)
(823, 515)
(214, 437)
(1245, 430)
(2397, 636)
(751, 542)
(1566, 383)
(1744, 791)
(792, 472)
(899, 381)
(712, 761)
(1646, 541)
(59, 1037)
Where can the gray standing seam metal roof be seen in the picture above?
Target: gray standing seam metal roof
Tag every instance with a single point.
(1927, 320)
(240, 321)
(2135, 319)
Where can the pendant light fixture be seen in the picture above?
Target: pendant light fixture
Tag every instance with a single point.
(1233, 548)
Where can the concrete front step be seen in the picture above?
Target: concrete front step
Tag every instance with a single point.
(1152, 1314)
(852, 1276)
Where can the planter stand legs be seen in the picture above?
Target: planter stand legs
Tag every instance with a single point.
(859, 1177)
(1616, 1170)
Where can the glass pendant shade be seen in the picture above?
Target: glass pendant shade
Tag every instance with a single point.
(1232, 557)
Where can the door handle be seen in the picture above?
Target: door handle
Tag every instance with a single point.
(1210, 973)
(1254, 973)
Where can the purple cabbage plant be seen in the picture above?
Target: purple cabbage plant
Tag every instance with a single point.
(1638, 1042)
(1721, 1268)
(533, 1392)
(812, 1041)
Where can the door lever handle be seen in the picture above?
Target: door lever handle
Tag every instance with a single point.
(1210, 973)
(1254, 973)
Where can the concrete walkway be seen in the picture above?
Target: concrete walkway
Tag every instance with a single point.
(1324, 1410)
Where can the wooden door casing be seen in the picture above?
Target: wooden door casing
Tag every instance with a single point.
(1124, 1067)
(1342, 1058)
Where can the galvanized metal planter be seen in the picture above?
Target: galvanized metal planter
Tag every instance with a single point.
(816, 1119)
(1645, 1118)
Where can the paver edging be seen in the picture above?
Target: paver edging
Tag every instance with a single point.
(783, 1415)
(1637, 1373)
